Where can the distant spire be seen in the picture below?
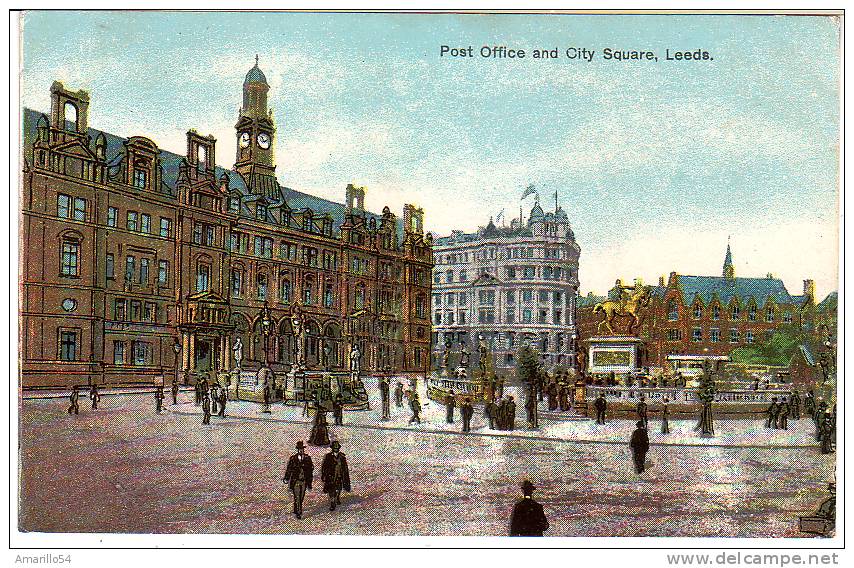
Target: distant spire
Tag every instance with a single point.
(729, 269)
(256, 60)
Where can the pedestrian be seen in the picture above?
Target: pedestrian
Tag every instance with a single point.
(528, 517)
(415, 406)
(158, 399)
(783, 415)
(642, 412)
(795, 405)
(198, 392)
(818, 418)
(551, 392)
(450, 404)
(335, 475)
(639, 444)
(398, 395)
(467, 411)
(338, 409)
(501, 414)
(298, 476)
(96, 398)
(665, 422)
(384, 394)
(265, 409)
(511, 413)
(772, 412)
(826, 433)
(601, 405)
(174, 392)
(809, 404)
(203, 387)
(563, 398)
(214, 398)
(223, 398)
(75, 401)
(531, 410)
(490, 409)
(206, 409)
(319, 428)
(500, 387)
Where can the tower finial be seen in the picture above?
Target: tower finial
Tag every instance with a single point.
(256, 60)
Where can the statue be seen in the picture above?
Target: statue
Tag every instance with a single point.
(484, 353)
(327, 356)
(627, 305)
(298, 330)
(464, 357)
(355, 360)
(237, 348)
(446, 355)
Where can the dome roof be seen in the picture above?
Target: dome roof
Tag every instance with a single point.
(255, 75)
(537, 212)
(560, 214)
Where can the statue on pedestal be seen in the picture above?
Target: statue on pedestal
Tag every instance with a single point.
(355, 360)
(446, 355)
(623, 301)
(298, 328)
(237, 348)
(484, 354)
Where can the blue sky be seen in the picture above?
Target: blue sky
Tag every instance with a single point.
(655, 163)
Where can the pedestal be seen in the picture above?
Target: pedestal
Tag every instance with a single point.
(612, 354)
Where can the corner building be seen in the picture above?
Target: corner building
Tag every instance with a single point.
(514, 285)
(137, 262)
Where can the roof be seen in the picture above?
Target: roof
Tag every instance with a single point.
(725, 289)
(255, 75)
(588, 301)
(830, 302)
(808, 356)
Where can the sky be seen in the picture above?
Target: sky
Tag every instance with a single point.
(656, 163)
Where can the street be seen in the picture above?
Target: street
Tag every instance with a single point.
(123, 468)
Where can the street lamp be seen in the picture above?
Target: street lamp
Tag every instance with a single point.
(265, 329)
(176, 347)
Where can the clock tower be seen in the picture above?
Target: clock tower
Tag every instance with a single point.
(255, 134)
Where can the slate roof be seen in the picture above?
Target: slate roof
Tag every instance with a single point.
(725, 289)
(808, 356)
(830, 303)
(588, 301)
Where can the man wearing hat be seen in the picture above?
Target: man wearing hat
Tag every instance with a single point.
(641, 410)
(528, 518)
(639, 444)
(601, 405)
(298, 476)
(335, 474)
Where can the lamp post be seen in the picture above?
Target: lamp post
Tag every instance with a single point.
(176, 347)
(265, 329)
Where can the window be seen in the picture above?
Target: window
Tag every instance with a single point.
(557, 297)
(262, 286)
(672, 310)
(203, 275)
(67, 345)
(309, 256)
(449, 317)
(449, 298)
(119, 309)
(139, 178)
(328, 296)
(63, 206)
(529, 272)
(463, 276)
(110, 267)
(145, 223)
(132, 218)
(733, 336)
(130, 269)
(461, 317)
(421, 306)
(261, 212)
(360, 297)
(69, 261)
(543, 316)
(143, 271)
(547, 272)
(698, 311)
(716, 312)
(287, 251)
(464, 298)
(264, 247)
(236, 283)
(449, 276)
(135, 308)
(736, 311)
(486, 316)
(165, 227)
(118, 352)
(787, 317)
(234, 205)
(150, 312)
(526, 316)
(544, 296)
(112, 216)
(511, 297)
(751, 312)
(714, 335)
(437, 318)
(510, 316)
(674, 335)
(210, 237)
(696, 334)
(162, 272)
(769, 314)
(486, 297)
(234, 242)
(749, 336)
(307, 298)
(527, 296)
(79, 209)
(557, 316)
(330, 261)
(510, 271)
(285, 290)
(197, 233)
(141, 352)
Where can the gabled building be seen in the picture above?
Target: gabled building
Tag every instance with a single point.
(138, 262)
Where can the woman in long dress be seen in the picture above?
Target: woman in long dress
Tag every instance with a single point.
(665, 424)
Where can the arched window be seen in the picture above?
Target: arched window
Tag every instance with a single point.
(328, 295)
(769, 314)
(284, 288)
(672, 310)
(751, 312)
(698, 310)
(70, 117)
(203, 277)
(716, 312)
(262, 286)
(69, 260)
(236, 282)
(307, 296)
(735, 313)
(421, 306)
(202, 153)
(360, 296)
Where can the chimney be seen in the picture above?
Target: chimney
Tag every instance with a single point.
(413, 219)
(661, 281)
(809, 289)
(355, 198)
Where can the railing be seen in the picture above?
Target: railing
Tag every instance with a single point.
(675, 395)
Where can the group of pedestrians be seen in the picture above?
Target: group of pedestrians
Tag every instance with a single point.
(212, 399)
(558, 396)
(501, 415)
(334, 473)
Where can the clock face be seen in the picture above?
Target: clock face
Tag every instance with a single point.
(264, 140)
(69, 304)
(244, 139)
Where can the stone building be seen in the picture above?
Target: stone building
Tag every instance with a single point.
(514, 285)
(135, 260)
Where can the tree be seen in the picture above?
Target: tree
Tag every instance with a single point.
(706, 394)
(528, 369)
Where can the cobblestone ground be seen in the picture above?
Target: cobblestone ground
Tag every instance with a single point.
(125, 469)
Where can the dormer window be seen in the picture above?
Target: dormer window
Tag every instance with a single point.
(234, 205)
(140, 177)
(751, 312)
(261, 212)
(698, 311)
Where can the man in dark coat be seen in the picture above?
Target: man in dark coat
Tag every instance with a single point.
(490, 410)
(826, 433)
(96, 398)
(158, 399)
(174, 392)
(639, 444)
(206, 409)
(809, 404)
(795, 405)
(198, 392)
(386, 401)
(528, 518)
(298, 476)
(783, 415)
(563, 398)
(511, 414)
(74, 399)
(335, 475)
(338, 409)
(551, 392)
(600, 405)
(641, 410)
(415, 406)
(467, 410)
(398, 395)
(223, 398)
(501, 414)
(818, 418)
(450, 405)
(772, 412)
(531, 410)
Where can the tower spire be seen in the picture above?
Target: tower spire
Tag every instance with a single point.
(729, 269)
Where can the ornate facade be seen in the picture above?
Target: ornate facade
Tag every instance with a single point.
(138, 263)
(514, 285)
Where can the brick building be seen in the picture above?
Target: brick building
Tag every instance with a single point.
(712, 315)
(136, 260)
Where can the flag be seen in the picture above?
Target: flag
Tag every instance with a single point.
(528, 191)
(499, 216)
